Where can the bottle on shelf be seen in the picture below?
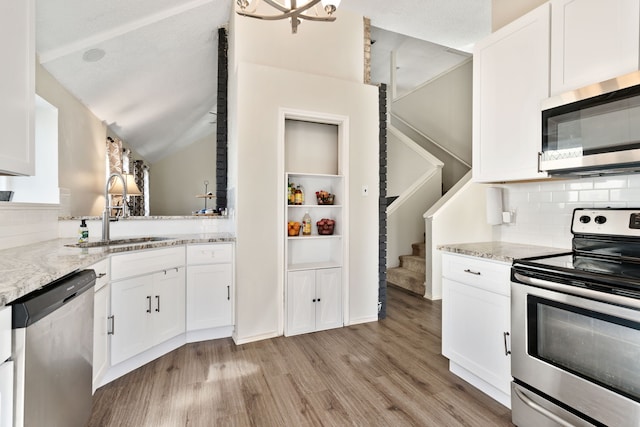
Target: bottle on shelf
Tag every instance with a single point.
(306, 224)
(299, 195)
(290, 194)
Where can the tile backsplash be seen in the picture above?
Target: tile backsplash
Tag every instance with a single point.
(543, 209)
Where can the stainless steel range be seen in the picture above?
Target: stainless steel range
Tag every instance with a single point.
(575, 324)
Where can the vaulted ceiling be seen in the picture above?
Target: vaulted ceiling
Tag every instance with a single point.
(148, 68)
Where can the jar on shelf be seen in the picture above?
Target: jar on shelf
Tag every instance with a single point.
(306, 224)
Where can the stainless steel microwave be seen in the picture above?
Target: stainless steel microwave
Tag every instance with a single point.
(594, 130)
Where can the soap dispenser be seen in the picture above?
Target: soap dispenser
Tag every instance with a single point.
(83, 232)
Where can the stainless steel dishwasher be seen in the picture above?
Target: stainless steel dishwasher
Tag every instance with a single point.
(53, 353)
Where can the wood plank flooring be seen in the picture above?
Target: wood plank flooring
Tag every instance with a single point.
(388, 373)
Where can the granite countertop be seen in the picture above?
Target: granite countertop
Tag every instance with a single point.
(500, 251)
(24, 269)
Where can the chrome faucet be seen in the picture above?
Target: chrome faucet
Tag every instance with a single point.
(107, 208)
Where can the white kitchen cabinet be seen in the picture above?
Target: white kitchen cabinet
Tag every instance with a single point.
(476, 323)
(149, 308)
(593, 41)
(17, 86)
(101, 322)
(210, 289)
(209, 296)
(314, 300)
(6, 369)
(510, 78)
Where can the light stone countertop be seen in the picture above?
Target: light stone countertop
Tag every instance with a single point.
(24, 269)
(500, 251)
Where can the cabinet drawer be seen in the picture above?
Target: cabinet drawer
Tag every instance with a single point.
(5, 333)
(210, 253)
(102, 273)
(489, 275)
(144, 262)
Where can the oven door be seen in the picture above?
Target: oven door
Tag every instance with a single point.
(577, 350)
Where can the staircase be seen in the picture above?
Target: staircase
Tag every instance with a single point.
(410, 275)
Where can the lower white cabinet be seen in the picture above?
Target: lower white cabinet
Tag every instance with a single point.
(101, 320)
(314, 300)
(146, 310)
(209, 296)
(476, 323)
(6, 369)
(210, 293)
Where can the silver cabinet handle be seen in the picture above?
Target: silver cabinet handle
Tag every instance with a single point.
(149, 304)
(475, 273)
(544, 411)
(507, 351)
(228, 293)
(112, 330)
(157, 303)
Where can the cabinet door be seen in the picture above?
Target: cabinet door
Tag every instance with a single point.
(328, 298)
(209, 296)
(17, 86)
(593, 41)
(168, 304)
(100, 335)
(301, 314)
(510, 78)
(131, 306)
(474, 322)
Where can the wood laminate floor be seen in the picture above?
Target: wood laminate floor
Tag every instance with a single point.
(386, 373)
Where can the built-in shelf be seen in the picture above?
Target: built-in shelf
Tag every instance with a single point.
(315, 236)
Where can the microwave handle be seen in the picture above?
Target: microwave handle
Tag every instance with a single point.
(539, 160)
(581, 292)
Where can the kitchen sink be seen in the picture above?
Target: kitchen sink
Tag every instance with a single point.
(115, 242)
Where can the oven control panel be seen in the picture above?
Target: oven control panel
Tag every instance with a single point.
(615, 222)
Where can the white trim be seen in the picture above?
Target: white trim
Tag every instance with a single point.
(451, 195)
(433, 79)
(254, 338)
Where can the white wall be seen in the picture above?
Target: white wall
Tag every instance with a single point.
(320, 69)
(461, 219)
(441, 109)
(176, 179)
(81, 147)
(505, 11)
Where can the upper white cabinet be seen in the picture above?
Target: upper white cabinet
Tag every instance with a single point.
(510, 78)
(593, 41)
(17, 86)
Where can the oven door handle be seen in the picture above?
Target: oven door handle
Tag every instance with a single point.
(577, 291)
(540, 409)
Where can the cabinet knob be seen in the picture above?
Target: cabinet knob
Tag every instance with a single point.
(101, 275)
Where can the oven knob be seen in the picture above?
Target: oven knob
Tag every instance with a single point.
(600, 219)
(585, 219)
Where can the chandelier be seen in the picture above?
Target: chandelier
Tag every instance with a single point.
(295, 10)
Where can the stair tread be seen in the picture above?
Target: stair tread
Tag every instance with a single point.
(406, 279)
(405, 272)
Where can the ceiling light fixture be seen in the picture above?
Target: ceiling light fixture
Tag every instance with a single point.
(295, 10)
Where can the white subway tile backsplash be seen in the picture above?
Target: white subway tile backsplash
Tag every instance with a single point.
(544, 209)
(594, 195)
(628, 195)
